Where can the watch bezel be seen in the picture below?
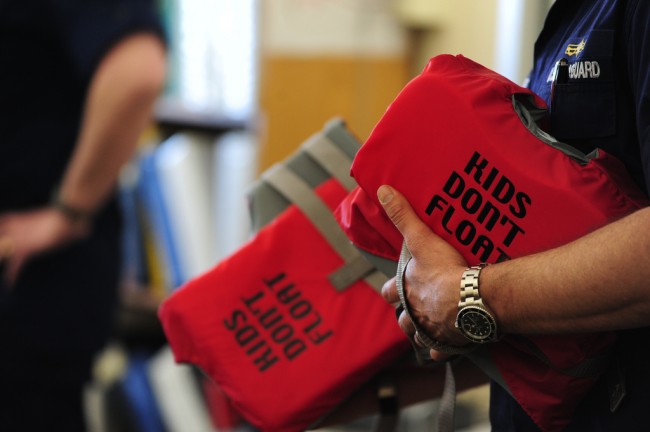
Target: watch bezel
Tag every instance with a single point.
(490, 337)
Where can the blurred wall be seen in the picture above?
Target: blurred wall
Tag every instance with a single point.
(326, 58)
(350, 58)
(465, 27)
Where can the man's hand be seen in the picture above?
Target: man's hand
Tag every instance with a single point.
(26, 234)
(432, 277)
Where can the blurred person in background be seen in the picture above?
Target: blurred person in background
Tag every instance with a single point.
(78, 82)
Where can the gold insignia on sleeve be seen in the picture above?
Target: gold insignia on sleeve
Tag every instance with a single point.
(575, 49)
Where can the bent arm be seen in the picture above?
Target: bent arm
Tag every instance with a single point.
(118, 108)
(598, 282)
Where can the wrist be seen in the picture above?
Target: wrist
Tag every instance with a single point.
(475, 320)
(75, 215)
(497, 301)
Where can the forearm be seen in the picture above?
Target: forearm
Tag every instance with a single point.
(598, 282)
(118, 108)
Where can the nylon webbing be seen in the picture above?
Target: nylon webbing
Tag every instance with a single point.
(447, 407)
(352, 272)
(331, 158)
(376, 279)
(523, 105)
(336, 162)
(587, 368)
(482, 358)
(296, 190)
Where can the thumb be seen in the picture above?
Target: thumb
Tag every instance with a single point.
(420, 239)
(400, 212)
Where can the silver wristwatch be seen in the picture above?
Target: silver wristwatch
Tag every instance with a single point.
(474, 320)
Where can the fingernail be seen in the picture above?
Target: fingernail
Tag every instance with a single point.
(384, 194)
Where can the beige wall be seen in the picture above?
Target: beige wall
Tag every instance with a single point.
(298, 95)
(499, 34)
(460, 27)
(324, 59)
(350, 58)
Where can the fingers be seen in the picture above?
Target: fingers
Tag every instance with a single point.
(389, 291)
(406, 324)
(438, 356)
(433, 260)
(390, 294)
(7, 248)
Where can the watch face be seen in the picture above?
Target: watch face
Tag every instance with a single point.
(477, 324)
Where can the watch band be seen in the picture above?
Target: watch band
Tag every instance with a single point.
(474, 319)
(469, 294)
(73, 214)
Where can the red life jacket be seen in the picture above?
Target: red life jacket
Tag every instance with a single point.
(463, 144)
(291, 324)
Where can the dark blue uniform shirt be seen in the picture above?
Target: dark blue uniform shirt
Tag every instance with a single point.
(600, 99)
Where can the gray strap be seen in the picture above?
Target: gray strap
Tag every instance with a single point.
(587, 368)
(447, 407)
(448, 400)
(376, 279)
(296, 190)
(333, 160)
(525, 108)
(351, 272)
(481, 357)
